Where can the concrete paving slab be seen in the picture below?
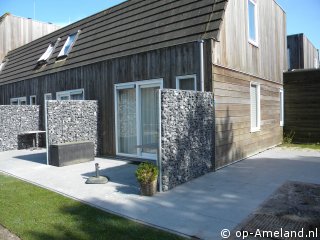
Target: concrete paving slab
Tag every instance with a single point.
(201, 208)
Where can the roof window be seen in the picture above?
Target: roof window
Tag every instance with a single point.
(66, 49)
(4, 62)
(46, 56)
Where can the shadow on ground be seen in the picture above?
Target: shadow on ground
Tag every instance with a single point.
(123, 175)
(90, 223)
(34, 157)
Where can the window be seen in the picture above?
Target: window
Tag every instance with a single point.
(252, 21)
(281, 107)
(4, 62)
(68, 45)
(46, 56)
(33, 100)
(18, 101)
(188, 82)
(137, 118)
(14, 101)
(255, 106)
(77, 94)
(47, 96)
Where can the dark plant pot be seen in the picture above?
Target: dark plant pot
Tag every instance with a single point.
(148, 189)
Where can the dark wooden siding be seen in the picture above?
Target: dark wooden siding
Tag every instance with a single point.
(295, 46)
(234, 141)
(302, 105)
(302, 52)
(129, 28)
(98, 80)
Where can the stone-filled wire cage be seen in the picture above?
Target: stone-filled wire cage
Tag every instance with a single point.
(187, 136)
(72, 121)
(15, 120)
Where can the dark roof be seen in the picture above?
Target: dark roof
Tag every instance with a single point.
(130, 27)
(2, 17)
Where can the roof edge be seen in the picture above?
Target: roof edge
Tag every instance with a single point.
(4, 16)
(35, 20)
(302, 70)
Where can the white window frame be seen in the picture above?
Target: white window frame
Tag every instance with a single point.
(14, 100)
(135, 85)
(179, 78)
(47, 94)
(253, 41)
(35, 100)
(63, 55)
(281, 95)
(255, 129)
(69, 93)
(19, 100)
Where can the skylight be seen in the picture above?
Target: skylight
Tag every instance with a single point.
(46, 56)
(4, 62)
(68, 45)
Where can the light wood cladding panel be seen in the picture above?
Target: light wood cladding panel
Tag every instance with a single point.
(234, 140)
(17, 31)
(267, 59)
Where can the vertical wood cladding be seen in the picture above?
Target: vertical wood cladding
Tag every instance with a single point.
(17, 31)
(302, 52)
(267, 59)
(234, 140)
(302, 105)
(98, 81)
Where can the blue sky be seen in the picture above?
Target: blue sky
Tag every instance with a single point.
(302, 16)
(56, 11)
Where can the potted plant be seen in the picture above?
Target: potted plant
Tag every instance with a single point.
(147, 175)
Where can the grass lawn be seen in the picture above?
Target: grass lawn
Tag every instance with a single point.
(32, 212)
(309, 146)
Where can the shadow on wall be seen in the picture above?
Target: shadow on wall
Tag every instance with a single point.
(226, 148)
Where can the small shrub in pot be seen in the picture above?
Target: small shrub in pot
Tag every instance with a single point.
(147, 175)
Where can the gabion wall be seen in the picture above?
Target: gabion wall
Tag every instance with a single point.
(72, 121)
(15, 120)
(187, 136)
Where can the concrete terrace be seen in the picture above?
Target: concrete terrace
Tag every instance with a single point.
(201, 208)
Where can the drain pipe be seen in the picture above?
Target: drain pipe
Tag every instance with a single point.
(201, 42)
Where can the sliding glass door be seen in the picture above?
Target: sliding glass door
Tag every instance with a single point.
(137, 118)
(149, 117)
(127, 133)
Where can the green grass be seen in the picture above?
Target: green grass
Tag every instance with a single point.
(35, 213)
(308, 146)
